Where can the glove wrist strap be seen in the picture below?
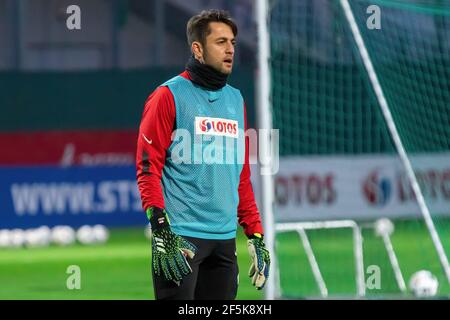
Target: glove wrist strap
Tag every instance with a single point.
(158, 218)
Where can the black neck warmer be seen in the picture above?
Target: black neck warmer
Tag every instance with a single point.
(205, 75)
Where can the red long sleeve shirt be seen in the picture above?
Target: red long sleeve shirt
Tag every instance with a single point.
(155, 137)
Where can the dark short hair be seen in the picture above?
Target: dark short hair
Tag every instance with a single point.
(198, 26)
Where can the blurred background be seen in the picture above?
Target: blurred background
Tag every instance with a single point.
(71, 103)
(72, 99)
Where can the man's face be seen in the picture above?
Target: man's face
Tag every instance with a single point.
(218, 51)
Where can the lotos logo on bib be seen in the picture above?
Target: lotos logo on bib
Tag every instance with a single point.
(216, 127)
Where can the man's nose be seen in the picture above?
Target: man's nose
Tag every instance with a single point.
(230, 48)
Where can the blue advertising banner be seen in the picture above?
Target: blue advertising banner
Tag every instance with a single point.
(35, 196)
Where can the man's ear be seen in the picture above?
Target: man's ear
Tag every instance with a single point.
(197, 50)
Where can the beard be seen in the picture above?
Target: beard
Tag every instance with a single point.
(217, 67)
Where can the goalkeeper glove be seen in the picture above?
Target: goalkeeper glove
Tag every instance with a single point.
(260, 261)
(169, 250)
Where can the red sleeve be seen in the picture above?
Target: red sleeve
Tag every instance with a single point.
(248, 214)
(154, 139)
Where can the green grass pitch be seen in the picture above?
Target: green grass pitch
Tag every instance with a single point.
(334, 253)
(120, 269)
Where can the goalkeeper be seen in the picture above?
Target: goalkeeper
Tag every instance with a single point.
(194, 206)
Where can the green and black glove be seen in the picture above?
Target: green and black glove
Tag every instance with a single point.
(260, 260)
(169, 250)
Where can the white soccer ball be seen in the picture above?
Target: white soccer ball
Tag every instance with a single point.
(39, 237)
(45, 234)
(101, 233)
(31, 238)
(384, 227)
(63, 235)
(423, 284)
(5, 238)
(17, 238)
(85, 235)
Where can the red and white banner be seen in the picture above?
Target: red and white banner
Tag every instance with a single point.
(357, 187)
(67, 148)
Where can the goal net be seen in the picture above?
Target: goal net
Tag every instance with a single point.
(341, 158)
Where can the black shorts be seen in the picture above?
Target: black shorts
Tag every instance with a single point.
(214, 274)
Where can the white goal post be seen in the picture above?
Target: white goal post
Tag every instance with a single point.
(264, 115)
